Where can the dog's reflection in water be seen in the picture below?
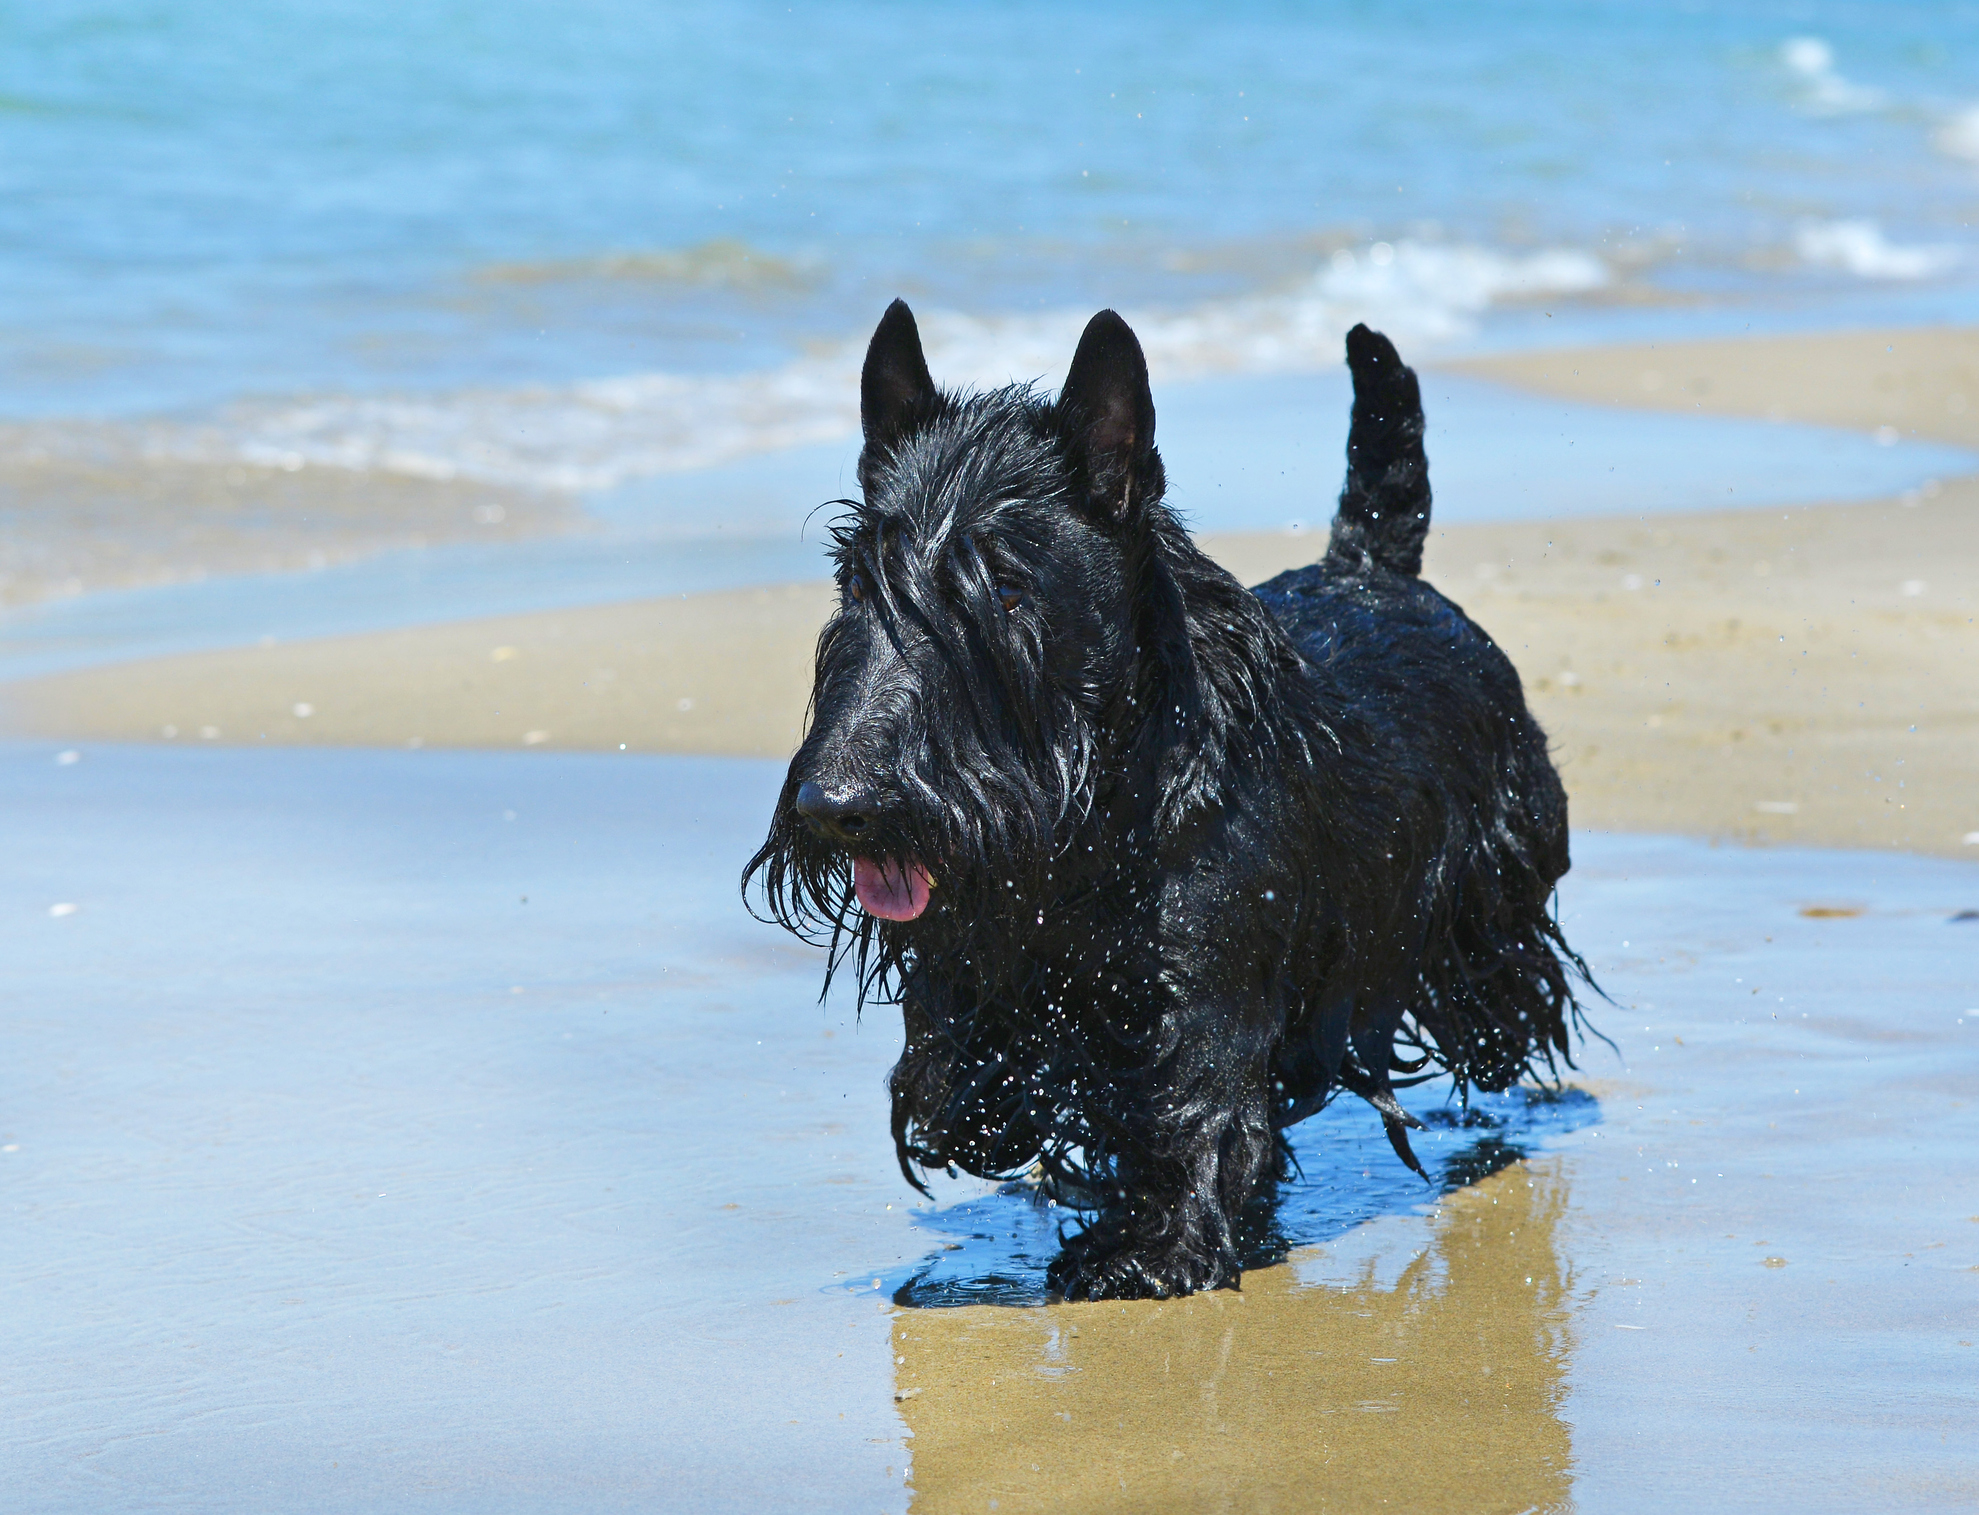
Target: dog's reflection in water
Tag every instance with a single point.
(1416, 1364)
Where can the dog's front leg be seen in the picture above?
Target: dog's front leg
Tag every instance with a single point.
(1190, 1142)
(960, 1088)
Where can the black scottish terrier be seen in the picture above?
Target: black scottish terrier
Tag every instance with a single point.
(1155, 865)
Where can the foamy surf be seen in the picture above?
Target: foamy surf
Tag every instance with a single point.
(601, 433)
(1859, 247)
(1958, 136)
(1810, 62)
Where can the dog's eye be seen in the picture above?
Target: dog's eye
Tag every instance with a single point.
(855, 587)
(1011, 598)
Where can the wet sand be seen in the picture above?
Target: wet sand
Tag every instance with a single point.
(1422, 1365)
(431, 1129)
(1917, 381)
(1786, 676)
(90, 518)
(1761, 1261)
(397, 1131)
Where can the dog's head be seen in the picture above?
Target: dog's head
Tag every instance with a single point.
(985, 651)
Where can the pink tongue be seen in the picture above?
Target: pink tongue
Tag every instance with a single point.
(894, 891)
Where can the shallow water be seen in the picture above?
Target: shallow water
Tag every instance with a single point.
(338, 1176)
(1244, 454)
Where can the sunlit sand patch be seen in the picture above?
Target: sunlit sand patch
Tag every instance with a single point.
(1892, 384)
(725, 673)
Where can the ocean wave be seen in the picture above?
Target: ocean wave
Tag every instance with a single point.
(1859, 247)
(1822, 89)
(1423, 293)
(1958, 135)
(604, 432)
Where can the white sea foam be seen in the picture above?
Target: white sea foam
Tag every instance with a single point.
(1418, 292)
(1859, 247)
(1958, 135)
(603, 432)
(1823, 90)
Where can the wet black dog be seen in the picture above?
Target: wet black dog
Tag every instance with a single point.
(1154, 864)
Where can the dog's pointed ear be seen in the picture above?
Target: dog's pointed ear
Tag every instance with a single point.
(1108, 410)
(895, 389)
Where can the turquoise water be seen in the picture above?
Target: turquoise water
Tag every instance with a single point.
(590, 242)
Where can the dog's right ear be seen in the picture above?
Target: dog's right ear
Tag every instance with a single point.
(895, 389)
(1107, 403)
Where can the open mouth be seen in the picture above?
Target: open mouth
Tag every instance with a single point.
(893, 889)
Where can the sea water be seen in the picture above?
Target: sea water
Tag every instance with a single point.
(580, 244)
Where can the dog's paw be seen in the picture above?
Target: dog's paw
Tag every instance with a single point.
(1108, 1266)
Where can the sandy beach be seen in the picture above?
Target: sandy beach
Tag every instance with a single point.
(1801, 675)
(1919, 381)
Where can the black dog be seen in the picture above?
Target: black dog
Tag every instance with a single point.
(1154, 864)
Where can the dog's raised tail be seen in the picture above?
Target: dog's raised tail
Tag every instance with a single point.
(1384, 506)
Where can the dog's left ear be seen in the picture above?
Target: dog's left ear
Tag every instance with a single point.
(1108, 410)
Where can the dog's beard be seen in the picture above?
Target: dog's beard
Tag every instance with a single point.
(963, 873)
(942, 873)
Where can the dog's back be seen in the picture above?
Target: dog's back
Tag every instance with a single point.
(1380, 638)
(1436, 715)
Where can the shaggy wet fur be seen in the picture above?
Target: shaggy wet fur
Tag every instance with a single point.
(1197, 858)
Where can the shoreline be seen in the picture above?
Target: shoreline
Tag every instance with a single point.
(1762, 675)
(1794, 676)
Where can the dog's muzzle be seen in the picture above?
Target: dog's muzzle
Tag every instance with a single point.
(891, 888)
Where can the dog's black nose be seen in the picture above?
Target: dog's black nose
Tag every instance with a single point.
(841, 817)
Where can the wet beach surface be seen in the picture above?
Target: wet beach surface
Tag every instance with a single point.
(339, 1176)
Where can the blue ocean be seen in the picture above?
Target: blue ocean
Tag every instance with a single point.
(585, 243)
